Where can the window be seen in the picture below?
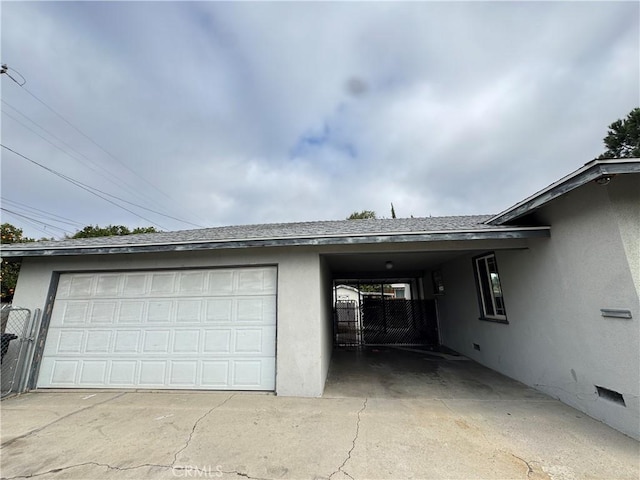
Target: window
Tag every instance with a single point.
(489, 288)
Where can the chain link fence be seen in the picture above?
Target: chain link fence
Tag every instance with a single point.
(381, 321)
(17, 330)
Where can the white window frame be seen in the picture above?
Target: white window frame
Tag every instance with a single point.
(491, 302)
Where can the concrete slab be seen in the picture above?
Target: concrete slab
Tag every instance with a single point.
(25, 414)
(386, 372)
(482, 427)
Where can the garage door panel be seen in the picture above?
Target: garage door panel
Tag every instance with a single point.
(131, 312)
(156, 341)
(81, 286)
(215, 374)
(259, 310)
(71, 342)
(257, 341)
(186, 341)
(93, 372)
(135, 285)
(108, 285)
(219, 310)
(163, 283)
(170, 335)
(189, 311)
(153, 373)
(127, 341)
(217, 341)
(183, 373)
(103, 312)
(159, 311)
(71, 313)
(98, 341)
(122, 373)
(220, 282)
(256, 281)
(192, 283)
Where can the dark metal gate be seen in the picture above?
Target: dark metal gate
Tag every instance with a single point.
(386, 321)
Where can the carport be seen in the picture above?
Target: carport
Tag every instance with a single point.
(405, 365)
(374, 314)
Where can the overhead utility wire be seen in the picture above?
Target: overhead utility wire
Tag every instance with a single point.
(58, 147)
(39, 222)
(4, 70)
(84, 187)
(79, 183)
(50, 108)
(42, 213)
(122, 183)
(32, 224)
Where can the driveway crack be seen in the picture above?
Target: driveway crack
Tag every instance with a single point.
(84, 464)
(242, 474)
(171, 466)
(353, 443)
(195, 425)
(39, 429)
(529, 469)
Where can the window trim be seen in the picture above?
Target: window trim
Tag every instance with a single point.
(483, 269)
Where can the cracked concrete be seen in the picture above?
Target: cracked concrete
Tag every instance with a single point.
(353, 443)
(505, 430)
(195, 425)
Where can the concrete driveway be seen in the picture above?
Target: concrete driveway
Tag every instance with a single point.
(364, 427)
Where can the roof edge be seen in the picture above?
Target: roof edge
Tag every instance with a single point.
(445, 235)
(591, 171)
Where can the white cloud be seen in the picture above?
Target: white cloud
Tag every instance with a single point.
(265, 112)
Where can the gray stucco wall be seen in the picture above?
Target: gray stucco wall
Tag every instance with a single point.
(301, 360)
(326, 314)
(557, 339)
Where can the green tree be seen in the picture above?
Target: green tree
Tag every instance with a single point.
(110, 230)
(10, 268)
(623, 138)
(364, 214)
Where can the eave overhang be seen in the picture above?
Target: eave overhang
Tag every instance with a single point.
(501, 233)
(592, 171)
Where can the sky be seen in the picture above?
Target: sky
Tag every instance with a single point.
(183, 115)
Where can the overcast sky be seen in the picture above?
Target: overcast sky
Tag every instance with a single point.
(234, 113)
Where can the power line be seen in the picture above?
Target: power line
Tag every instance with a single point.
(35, 226)
(94, 142)
(94, 189)
(122, 183)
(43, 213)
(39, 222)
(5, 68)
(83, 186)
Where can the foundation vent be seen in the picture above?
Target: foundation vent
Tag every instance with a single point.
(611, 395)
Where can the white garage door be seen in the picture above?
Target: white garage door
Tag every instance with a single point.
(199, 329)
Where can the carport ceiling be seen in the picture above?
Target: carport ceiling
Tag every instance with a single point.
(375, 263)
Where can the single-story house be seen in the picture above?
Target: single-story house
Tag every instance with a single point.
(545, 292)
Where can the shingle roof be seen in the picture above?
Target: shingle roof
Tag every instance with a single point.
(288, 233)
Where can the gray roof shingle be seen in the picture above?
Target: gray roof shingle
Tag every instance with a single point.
(252, 235)
(285, 230)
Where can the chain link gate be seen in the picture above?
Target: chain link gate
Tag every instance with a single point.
(383, 321)
(16, 342)
(399, 322)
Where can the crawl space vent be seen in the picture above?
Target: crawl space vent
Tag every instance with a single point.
(611, 395)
